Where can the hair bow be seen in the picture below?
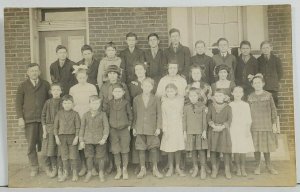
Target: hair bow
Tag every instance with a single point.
(78, 67)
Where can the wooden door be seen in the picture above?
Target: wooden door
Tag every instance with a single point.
(48, 41)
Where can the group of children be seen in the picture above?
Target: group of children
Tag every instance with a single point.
(143, 106)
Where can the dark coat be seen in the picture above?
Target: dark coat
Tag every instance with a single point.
(30, 100)
(271, 70)
(119, 114)
(229, 60)
(182, 56)
(194, 118)
(206, 63)
(67, 123)
(63, 75)
(146, 119)
(155, 65)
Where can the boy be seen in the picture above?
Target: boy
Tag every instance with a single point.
(61, 70)
(66, 131)
(270, 66)
(30, 98)
(178, 52)
(204, 61)
(92, 64)
(224, 58)
(120, 119)
(130, 56)
(110, 59)
(154, 58)
(93, 135)
(146, 126)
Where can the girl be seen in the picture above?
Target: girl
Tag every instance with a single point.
(81, 93)
(205, 91)
(110, 59)
(194, 126)
(263, 112)
(172, 140)
(49, 147)
(172, 77)
(219, 141)
(240, 130)
(223, 83)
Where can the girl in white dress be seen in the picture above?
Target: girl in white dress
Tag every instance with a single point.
(240, 133)
(172, 140)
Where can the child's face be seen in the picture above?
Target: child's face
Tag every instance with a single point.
(173, 69)
(131, 42)
(153, 42)
(196, 74)
(238, 93)
(94, 105)
(56, 91)
(245, 50)
(171, 92)
(175, 38)
(193, 96)
(258, 84)
(87, 55)
(81, 78)
(200, 48)
(33, 72)
(266, 49)
(223, 46)
(112, 76)
(223, 74)
(67, 105)
(61, 54)
(219, 97)
(147, 87)
(118, 93)
(110, 52)
(140, 71)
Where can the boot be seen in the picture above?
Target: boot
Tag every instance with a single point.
(119, 173)
(195, 171)
(48, 171)
(203, 172)
(238, 172)
(60, 173)
(227, 172)
(142, 173)
(244, 173)
(34, 171)
(170, 172)
(53, 172)
(156, 173)
(214, 172)
(272, 170)
(180, 172)
(125, 173)
(94, 172)
(75, 175)
(257, 170)
(83, 170)
(101, 176)
(88, 176)
(207, 168)
(64, 176)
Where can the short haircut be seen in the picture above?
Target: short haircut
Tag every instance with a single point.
(118, 85)
(171, 86)
(61, 47)
(94, 98)
(110, 44)
(174, 30)
(199, 42)
(218, 90)
(153, 35)
(86, 47)
(67, 98)
(238, 87)
(32, 65)
(265, 42)
(258, 76)
(131, 34)
(222, 39)
(55, 85)
(148, 80)
(245, 43)
(194, 89)
(141, 64)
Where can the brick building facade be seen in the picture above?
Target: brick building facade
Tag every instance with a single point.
(111, 24)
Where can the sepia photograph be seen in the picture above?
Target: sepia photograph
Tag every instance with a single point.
(150, 96)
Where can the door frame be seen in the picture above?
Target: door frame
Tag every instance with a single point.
(36, 27)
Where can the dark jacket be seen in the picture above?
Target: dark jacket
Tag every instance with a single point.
(182, 56)
(92, 71)
(155, 66)
(271, 70)
(50, 109)
(206, 63)
(244, 69)
(119, 113)
(30, 100)
(229, 60)
(63, 75)
(146, 119)
(194, 118)
(93, 129)
(66, 123)
(129, 60)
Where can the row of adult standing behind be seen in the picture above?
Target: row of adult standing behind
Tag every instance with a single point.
(242, 68)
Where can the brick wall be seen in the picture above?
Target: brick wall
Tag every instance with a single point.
(112, 24)
(280, 34)
(17, 55)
